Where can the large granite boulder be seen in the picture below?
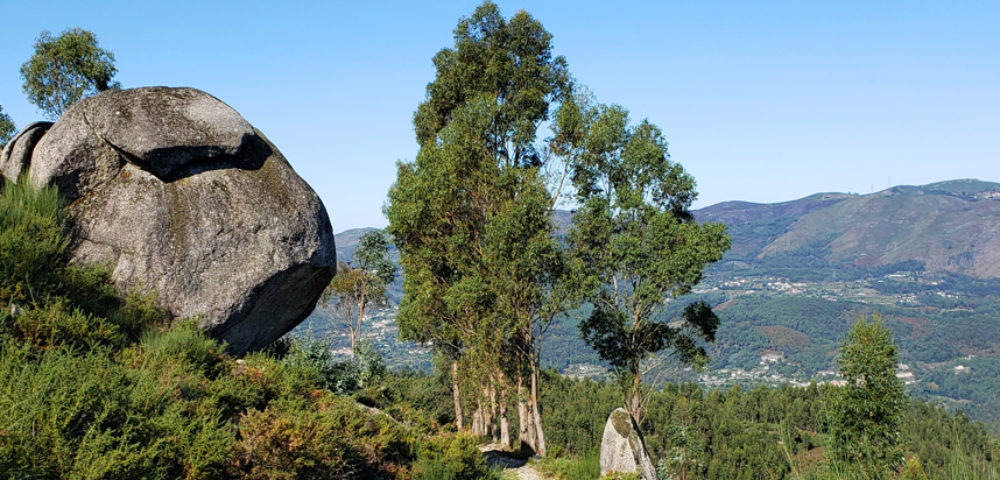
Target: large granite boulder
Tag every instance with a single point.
(17, 153)
(180, 195)
(623, 449)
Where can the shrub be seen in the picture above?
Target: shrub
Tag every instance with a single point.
(87, 416)
(451, 457)
(292, 441)
(32, 246)
(573, 468)
(313, 358)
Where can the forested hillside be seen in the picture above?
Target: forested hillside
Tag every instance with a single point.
(942, 227)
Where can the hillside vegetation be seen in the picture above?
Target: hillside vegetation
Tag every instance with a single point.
(96, 386)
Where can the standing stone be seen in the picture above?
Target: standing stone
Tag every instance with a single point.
(17, 153)
(180, 195)
(623, 449)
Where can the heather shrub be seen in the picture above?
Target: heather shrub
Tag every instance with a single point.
(292, 441)
(99, 386)
(451, 457)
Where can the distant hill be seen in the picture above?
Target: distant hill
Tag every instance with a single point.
(945, 227)
(951, 226)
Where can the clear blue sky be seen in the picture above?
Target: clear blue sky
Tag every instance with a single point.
(761, 101)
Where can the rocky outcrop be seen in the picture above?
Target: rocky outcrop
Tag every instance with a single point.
(180, 195)
(17, 153)
(623, 449)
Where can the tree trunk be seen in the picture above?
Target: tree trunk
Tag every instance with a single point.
(353, 335)
(456, 395)
(478, 422)
(504, 421)
(356, 329)
(494, 415)
(536, 411)
(527, 434)
(523, 417)
(489, 413)
(635, 407)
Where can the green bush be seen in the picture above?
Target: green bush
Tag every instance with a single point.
(313, 358)
(451, 457)
(291, 441)
(87, 416)
(572, 468)
(32, 246)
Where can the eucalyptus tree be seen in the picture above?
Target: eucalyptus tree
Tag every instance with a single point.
(868, 410)
(471, 214)
(354, 289)
(636, 242)
(66, 68)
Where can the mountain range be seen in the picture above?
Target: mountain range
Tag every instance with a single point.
(951, 226)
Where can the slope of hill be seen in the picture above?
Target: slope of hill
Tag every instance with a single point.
(949, 227)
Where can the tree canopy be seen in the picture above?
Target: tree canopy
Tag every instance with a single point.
(867, 411)
(6, 128)
(635, 239)
(65, 69)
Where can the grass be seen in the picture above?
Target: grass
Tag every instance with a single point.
(572, 468)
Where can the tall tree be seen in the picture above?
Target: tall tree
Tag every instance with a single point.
(66, 68)
(6, 128)
(867, 411)
(353, 290)
(470, 215)
(636, 240)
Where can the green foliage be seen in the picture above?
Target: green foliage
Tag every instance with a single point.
(765, 433)
(636, 241)
(96, 386)
(66, 68)
(372, 255)
(7, 128)
(866, 413)
(31, 241)
(413, 391)
(451, 457)
(290, 440)
(576, 413)
(510, 59)
(587, 466)
(91, 417)
(314, 360)
(471, 216)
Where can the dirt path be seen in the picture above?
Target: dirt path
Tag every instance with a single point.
(509, 461)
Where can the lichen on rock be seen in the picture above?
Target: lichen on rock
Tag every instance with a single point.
(623, 448)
